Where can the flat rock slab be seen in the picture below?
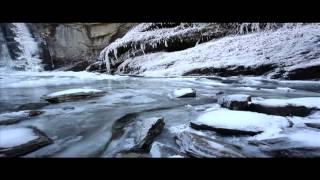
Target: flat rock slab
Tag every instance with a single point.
(227, 122)
(235, 101)
(15, 117)
(73, 95)
(184, 92)
(200, 146)
(286, 107)
(15, 142)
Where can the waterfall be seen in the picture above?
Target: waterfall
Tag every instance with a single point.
(26, 50)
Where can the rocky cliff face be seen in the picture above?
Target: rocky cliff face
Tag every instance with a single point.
(273, 50)
(69, 46)
(73, 46)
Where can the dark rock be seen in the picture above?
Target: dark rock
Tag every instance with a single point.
(68, 108)
(131, 155)
(32, 106)
(27, 147)
(232, 70)
(306, 73)
(294, 152)
(288, 110)
(235, 102)
(313, 125)
(35, 113)
(195, 145)
(224, 131)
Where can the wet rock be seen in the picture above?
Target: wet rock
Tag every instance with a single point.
(184, 92)
(159, 150)
(131, 155)
(15, 117)
(223, 131)
(16, 142)
(130, 134)
(235, 101)
(149, 129)
(195, 145)
(32, 106)
(73, 95)
(313, 125)
(288, 110)
(68, 108)
(294, 152)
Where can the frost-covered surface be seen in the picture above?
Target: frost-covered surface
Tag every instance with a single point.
(13, 115)
(306, 137)
(74, 91)
(16, 136)
(241, 120)
(183, 91)
(287, 48)
(234, 97)
(310, 102)
(29, 57)
(37, 79)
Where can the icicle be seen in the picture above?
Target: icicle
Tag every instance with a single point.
(165, 43)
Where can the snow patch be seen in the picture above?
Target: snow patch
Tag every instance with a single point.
(16, 136)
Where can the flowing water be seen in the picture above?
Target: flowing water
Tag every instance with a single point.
(85, 130)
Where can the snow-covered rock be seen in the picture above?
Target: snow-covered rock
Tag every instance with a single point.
(286, 107)
(15, 117)
(21, 140)
(72, 94)
(184, 92)
(229, 122)
(201, 146)
(235, 101)
(288, 52)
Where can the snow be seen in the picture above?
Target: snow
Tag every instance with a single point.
(74, 91)
(285, 47)
(37, 79)
(182, 92)
(241, 120)
(310, 102)
(16, 136)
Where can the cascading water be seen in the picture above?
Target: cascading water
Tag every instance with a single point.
(28, 52)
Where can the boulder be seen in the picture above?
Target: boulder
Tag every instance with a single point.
(73, 95)
(235, 101)
(15, 142)
(200, 146)
(130, 134)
